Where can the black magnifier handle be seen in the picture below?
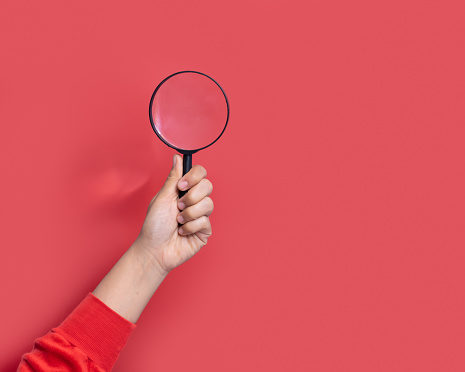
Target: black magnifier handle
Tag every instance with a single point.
(186, 167)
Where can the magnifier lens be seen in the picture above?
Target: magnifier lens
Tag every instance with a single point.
(189, 111)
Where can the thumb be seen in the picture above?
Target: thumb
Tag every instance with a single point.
(170, 188)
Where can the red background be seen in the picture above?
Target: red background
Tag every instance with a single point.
(339, 189)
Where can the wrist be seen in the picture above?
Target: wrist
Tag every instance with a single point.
(148, 262)
(130, 284)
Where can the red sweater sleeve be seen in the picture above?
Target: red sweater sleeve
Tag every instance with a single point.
(89, 339)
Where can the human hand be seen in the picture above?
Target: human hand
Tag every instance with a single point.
(160, 239)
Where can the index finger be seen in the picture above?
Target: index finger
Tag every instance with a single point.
(192, 178)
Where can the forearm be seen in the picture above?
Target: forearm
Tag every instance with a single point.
(130, 284)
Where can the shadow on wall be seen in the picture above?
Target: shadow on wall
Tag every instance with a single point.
(113, 179)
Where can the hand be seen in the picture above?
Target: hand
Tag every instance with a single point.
(160, 238)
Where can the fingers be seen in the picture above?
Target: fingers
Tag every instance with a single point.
(195, 205)
(201, 224)
(203, 208)
(192, 178)
(196, 193)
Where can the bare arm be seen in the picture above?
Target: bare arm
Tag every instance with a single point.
(161, 245)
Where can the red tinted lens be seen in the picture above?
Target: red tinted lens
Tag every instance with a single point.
(189, 111)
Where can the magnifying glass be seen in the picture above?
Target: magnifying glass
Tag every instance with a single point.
(189, 111)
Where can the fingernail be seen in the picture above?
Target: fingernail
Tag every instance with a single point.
(183, 185)
(181, 205)
(180, 219)
(180, 230)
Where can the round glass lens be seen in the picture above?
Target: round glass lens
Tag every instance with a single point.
(189, 111)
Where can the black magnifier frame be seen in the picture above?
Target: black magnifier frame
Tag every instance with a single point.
(187, 154)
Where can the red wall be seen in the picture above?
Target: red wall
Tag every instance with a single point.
(339, 184)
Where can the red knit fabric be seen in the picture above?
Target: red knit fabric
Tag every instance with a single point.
(89, 339)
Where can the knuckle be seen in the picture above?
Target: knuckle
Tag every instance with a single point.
(208, 185)
(199, 171)
(202, 170)
(204, 221)
(210, 203)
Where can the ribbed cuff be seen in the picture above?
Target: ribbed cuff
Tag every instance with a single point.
(97, 330)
